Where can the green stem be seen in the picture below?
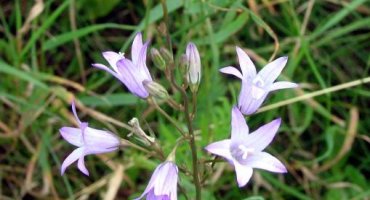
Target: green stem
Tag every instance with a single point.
(164, 113)
(193, 148)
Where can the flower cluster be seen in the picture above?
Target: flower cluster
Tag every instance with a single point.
(244, 150)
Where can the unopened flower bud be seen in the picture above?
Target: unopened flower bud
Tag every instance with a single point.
(158, 59)
(167, 55)
(155, 89)
(194, 68)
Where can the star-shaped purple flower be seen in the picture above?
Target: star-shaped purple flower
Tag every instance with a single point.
(256, 86)
(245, 151)
(163, 183)
(132, 72)
(88, 140)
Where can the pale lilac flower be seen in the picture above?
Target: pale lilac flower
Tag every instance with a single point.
(256, 86)
(194, 68)
(245, 151)
(88, 140)
(163, 183)
(132, 72)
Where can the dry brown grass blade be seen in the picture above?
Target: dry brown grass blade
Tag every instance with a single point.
(76, 42)
(349, 139)
(35, 11)
(114, 183)
(270, 6)
(93, 188)
(253, 6)
(28, 183)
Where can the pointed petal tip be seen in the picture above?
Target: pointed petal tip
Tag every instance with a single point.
(138, 34)
(191, 44)
(105, 53)
(278, 120)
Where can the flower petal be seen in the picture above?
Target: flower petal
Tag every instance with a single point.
(232, 71)
(132, 77)
(81, 166)
(105, 68)
(76, 154)
(246, 102)
(72, 135)
(246, 64)
(272, 70)
(74, 112)
(259, 139)
(193, 58)
(142, 62)
(220, 148)
(112, 58)
(167, 180)
(136, 47)
(266, 161)
(282, 85)
(101, 139)
(239, 127)
(89, 150)
(243, 173)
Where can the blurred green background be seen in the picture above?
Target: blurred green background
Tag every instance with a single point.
(46, 51)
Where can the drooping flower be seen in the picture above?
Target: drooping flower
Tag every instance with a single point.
(163, 183)
(132, 72)
(245, 151)
(256, 86)
(88, 140)
(194, 66)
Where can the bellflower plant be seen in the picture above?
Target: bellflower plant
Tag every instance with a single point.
(163, 183)
(245, 151)
(131, 73)
(88, 140)
(256, 86)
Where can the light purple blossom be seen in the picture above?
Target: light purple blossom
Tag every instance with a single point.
(256, 86)
(245, 151)
(194, 66)
(132, 72)
(163, 183)
(88, 140)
